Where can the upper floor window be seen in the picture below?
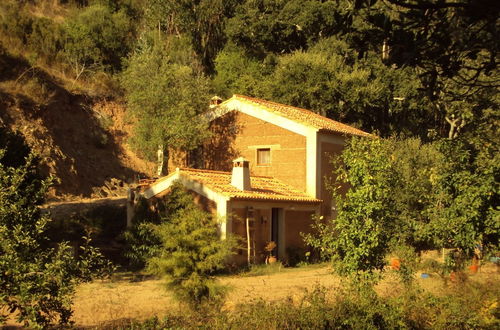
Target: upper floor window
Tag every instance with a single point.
(264, 156)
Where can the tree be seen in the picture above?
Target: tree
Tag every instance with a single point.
(453, 45)
(466, 210)
(364, 223)
(282, 26)
(332, 80)
(190, 252)
(37, 279)
(97, 37)
(238, 73)
(165, 97)
(408, 196)
(202, 21)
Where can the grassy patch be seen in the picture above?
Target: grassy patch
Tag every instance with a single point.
(278, 267)
(354, 306)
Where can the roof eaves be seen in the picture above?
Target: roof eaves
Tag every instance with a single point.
(360, 133)
(278, 199)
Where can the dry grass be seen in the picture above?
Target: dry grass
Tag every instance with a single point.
(101, 302)
(48, 9)
(106, 302)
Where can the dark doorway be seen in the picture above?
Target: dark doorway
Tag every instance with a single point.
(275, 229)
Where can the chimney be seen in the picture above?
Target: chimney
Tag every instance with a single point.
(240, 177)
(215, 101)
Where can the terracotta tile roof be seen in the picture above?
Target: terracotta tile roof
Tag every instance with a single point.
(263, 188)
(303, 116)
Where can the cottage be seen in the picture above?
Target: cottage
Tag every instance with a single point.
(262, 171)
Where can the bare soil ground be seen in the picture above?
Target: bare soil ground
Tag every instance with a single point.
(100, 302)
(81, 139)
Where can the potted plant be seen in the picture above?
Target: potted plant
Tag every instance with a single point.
(270, 259)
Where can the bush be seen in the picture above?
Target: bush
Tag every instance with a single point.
(142, 238)
(15, 24)
(97, 37)
(46, 39)
(37, 276)
(187, 249)
(191, 251)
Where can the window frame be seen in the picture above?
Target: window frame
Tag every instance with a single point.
(257, 158)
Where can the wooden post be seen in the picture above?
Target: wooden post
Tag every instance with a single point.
(248, 240)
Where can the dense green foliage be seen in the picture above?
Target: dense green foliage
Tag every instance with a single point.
(417, 70)
(164, 96)
(97, 37)
(142, 239)
(407, 68)
(189, 249)
(38, 278)
(181, 242)
(405, 193)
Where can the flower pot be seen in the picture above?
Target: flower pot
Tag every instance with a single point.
(458, 277)
(395, 263)
(453, 276)
(271, 259)
(473, 268)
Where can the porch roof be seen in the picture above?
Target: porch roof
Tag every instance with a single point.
(263, 187)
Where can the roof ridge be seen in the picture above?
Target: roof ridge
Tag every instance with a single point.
(201, 170)
(262, 102)
(282, 104)
(220, 172)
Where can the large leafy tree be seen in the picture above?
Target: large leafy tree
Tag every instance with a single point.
(37, 279)
(331, 79)
(202, 21)
(407, 194)
(281, 26)
(452, 44)
(165, 95)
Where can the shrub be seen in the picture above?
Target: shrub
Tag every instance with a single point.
(15, 24)
(190, 252)
(37, 277)
(142, 238)
(97, 37)
(46, 39)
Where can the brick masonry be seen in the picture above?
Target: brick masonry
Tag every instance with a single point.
(236, 134)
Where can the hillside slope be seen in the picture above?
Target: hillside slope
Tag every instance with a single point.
(82, 140)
